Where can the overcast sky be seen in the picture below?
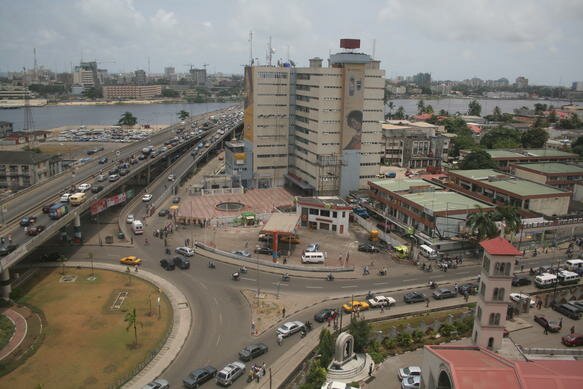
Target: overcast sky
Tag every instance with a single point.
(451, 39)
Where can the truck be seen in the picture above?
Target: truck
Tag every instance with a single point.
(58, 210)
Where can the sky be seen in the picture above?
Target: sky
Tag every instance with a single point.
(451, 39)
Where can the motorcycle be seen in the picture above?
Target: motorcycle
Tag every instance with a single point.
(235, 276)
(432, 285)
(308, 326)
(168, 252)
(243, 270)
(329, 277)
(382, 272)
(211, 265)
(285, 277)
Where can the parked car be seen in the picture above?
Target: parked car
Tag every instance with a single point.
(572, 340)
(381, 301)
(102, 160)
(167, 264)
(324, 314)
(414, 297)
(412, 382)
(368, 248)
(158, 383)
(469, 288)
(521, 281)
(253, 351)
(5, 250)
(199, 377)
(518, 297)
(163, 212)
(130, 219)
(131, 260)
(444, 293)
(263, 250)
(171, 177)
(409, 371)
(147, 197)
(243, 253)
(186, 251)
(181, 262)
(351, 306)
(550, 325)
(228, 374)
(35, 230)
(289, 328)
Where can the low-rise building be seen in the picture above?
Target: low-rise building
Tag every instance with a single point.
(20, 169)
(560, 175)
(414, 144)
(5, 129)
(505, 157)
(429, 208)
(328, 213)
(499, 188)
(131, 91)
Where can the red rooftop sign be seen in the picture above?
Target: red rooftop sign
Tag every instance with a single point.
(350, 43)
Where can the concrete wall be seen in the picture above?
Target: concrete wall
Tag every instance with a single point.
(550, 206)
(541, 179)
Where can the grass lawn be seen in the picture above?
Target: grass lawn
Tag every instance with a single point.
(6, 330)
(415, 320)
(86, 343)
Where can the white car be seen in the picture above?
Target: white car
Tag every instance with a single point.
(381, 301)
(147, 197)
(65, 197)
(336, 385)
(290, 328)
(130, 219)
(411, 382)
(409, 371)
(171, 177)
(84, 187)
(518, 297)
(186, 251)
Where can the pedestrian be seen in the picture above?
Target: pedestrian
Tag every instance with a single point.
(132, 239)
(2, 240)
(426, 302)
(146, 242)
(521, 268)
(283, 313)
(370, 369)
(382, 308)
(340, 259)
(561, 324)
(546, 330)
(9, 238)
(572, 330)
(279, 339)
(252, 328)
(466, 296)
(263, 368)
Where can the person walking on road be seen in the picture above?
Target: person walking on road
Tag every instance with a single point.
(279, 339)
(283, 313)
(426, 302)
(370, 370)
(572, 330)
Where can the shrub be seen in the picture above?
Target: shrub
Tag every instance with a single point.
(377, 357)
(447, 330)
(418, 336)
(389, 343)
(404, 339)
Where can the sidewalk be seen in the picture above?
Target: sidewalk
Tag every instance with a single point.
(297, 353)
(182, 321)
(20, 331)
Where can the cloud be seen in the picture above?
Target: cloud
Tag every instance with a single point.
(207, 24)
(164, 19)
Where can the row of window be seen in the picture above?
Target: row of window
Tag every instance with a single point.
(493, 320)
(272, 75)
(271, 155)
(325, 212)
(271, 167)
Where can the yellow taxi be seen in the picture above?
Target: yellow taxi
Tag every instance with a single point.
(349, 307)
(131, 260)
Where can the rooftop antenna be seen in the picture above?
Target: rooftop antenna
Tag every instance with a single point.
(270, 52)
(250, 48)
(374, 47)
(288, 53)
(148, 65)
(35, 66)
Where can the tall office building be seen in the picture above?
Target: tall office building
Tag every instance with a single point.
(316, 128)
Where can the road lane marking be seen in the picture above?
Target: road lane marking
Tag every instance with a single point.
(411, 279)
(216, 301)
(380, 283)
(218, 340)
(248, 279)
(348, 286)
(220, 318)
(314, 287)
(203, 285)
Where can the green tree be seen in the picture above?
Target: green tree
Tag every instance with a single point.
(132, 320)
(443, 112)
(391, 106)
(478, 159)
(92, 93)
(534, 138)
(316, 376)
(540, 108)
(400, 114)
(463, 142)
(183, 115)
(481, 225)
(552, 116)
(360, 330)
(326, 347)
(577, 146)
(127, 119)
(474, 108)
(167, 92)
(510, 216)
(429, 109)
(454, 124)
(501, 137)
(420, 107)
(497, 113)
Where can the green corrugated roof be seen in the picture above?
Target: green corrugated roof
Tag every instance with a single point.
(444, 201)
(403, 185)
(508, 183)
(501, 153)
(552, 167)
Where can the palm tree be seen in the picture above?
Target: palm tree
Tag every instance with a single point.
(511, 218)
(127, 119)
(183, 115)
(132, 320)
(482, 225)
(391, 107)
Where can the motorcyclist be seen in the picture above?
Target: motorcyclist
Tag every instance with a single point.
(243, 269)
(211, 264)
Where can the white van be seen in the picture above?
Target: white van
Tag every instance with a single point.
(137, 227)
(568, 277)
(545, 280)
(313, 257)
(427, 251)
(77, 198)
(574, 265)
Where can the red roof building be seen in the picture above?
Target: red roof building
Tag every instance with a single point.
(499, 246)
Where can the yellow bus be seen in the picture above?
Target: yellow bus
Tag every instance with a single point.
(77, 198)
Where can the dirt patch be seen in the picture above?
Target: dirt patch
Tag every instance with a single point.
(83, 345)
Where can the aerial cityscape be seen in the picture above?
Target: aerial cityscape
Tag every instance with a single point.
(270, 194)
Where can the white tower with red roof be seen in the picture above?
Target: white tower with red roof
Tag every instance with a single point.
(495, 284)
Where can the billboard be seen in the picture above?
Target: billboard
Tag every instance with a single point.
(248, 105)
(102, 204)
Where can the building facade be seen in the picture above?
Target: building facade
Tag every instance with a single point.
(131, 91)
(21, 169)
(413, 144)
(316, 128)
(558, 175)
(505, 158)
(324, 213)
(198, 76)
(6, 129)
(503, 189)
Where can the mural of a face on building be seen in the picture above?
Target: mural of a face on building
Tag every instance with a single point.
(354, 121)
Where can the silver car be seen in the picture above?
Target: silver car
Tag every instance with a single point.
(290, 328)
(230, 373)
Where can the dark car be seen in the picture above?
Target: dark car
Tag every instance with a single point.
(123, 172)
(166, 264)
(181, 262)
(114, 171)
(163, 212)
(368, 248)
(253, 351)
(5, 250)
(175, 199)
(444, 293)
(521, 281)
(47, 207)
(550, 325)
(102, 160)
(263, 250)
(35, 230)
(469, 288)
(573, 340)
(27, 221)
(96, 188)
(324, 315)
(141, 157)
(568, 310)
(199, 377)
(414, 297)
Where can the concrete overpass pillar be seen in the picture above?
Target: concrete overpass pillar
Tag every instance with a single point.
(148, 175)
(5, 287)
(77, 229)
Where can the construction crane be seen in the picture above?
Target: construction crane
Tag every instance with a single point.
(191, 65)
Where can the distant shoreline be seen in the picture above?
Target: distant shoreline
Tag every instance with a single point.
(130, 102)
